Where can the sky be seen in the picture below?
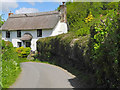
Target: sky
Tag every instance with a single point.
(34, 6)
(26, 7)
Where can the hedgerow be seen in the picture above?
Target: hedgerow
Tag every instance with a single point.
(96, 53)
(105, 50)
(66, 50)
(81, 14)
(10, 64)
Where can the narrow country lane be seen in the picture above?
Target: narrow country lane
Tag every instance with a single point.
(40, 75)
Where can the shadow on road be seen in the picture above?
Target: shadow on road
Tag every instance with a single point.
(80, 83)
(75, 82)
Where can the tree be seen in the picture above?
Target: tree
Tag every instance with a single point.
(1, 21)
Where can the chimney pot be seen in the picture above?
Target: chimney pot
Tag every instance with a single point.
(10, 13)
(63, 3)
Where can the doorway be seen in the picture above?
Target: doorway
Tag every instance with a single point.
(19, 44)
(28, 44)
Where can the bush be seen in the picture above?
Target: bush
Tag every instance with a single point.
(105, 51)
(89, 18)
(98, 53)
(10, 64)
(80, 15)
(6, 44)
(66, 50)
(23, 52)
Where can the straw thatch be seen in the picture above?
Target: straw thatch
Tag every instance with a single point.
(26, 36)
(30, 21)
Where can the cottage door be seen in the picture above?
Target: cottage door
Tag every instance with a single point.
(28, 44)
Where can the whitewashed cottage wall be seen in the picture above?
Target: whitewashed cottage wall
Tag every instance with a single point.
(56, 20)
(60, 28)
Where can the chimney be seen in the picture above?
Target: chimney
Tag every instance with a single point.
(10, 14)
(63, 12)
(63, 3)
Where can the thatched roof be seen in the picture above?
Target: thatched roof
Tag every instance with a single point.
(30, 21)
(26, 36)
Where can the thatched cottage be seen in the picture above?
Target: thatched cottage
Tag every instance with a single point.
(26, 29)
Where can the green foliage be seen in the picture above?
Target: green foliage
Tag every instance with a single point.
(47, 47)
(89, 18)
(23, 52)
(83, 31)
(66, 50)
(112, 5)
(10, 64)
(98, 54)
(0, 62)
(105, 51)
(78, 13)
(1, 21)
(6, 44)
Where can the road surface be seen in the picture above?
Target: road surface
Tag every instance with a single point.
(40, 75)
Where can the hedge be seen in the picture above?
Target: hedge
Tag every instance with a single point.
(96, 54)
(10, 65)
(66, 50)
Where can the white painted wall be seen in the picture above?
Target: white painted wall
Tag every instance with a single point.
(59, 29)
(14, 39)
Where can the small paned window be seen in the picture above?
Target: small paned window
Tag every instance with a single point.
(28, 44)
(7, 34)
(39, 33)
(19, 33)
(19, 44)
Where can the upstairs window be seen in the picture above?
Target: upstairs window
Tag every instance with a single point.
(39, 33)
(19, 33)
(7, 34)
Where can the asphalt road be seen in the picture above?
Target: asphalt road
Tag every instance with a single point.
(39, 75)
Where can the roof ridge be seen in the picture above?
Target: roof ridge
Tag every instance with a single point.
(33, 21)
(34, 14)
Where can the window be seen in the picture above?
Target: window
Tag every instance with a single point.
(39, 33)
(19, 33)
(28, 44)
(7, 34)
(19, 44)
